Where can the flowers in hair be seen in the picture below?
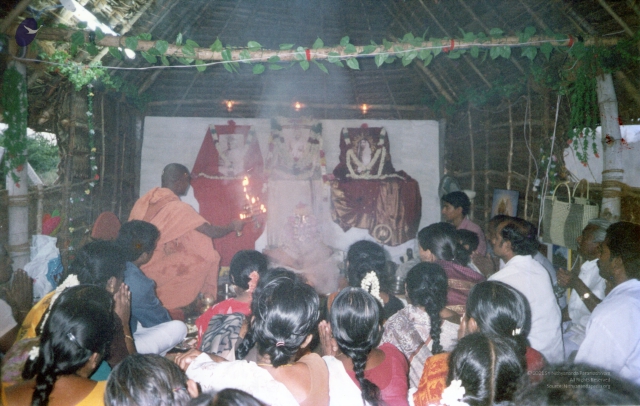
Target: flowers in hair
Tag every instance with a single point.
(371, 284)
(72, 280)
(34, 352)
(253, 281)
(453, 394)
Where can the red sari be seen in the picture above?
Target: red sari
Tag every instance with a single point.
(460, 279)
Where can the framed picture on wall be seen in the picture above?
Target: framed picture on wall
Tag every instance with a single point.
(505, 202)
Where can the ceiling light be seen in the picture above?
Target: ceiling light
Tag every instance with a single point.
(364, 109)
(229, 104)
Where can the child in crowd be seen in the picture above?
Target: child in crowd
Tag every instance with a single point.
(244, 272)
(148, 380)
(153, 330)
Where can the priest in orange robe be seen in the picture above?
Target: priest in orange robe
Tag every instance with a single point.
(184, 262)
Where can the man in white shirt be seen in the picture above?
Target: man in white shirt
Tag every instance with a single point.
(515, 243)
(587, 286)
(612, 339)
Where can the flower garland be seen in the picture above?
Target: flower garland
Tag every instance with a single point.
(92, 149)
(453, 394)
(34, 353)
(371, 284)
(72, 280)
(14, 101)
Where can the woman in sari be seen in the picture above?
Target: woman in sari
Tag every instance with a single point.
(439, 243)
(421, 329)
(75, 338)
(360, 371)
(285, 314)
(493, 308)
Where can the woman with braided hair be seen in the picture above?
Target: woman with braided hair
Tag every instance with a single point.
(420, 330)
(74, 340)
(378, 375)
(284, 316)
(367, 269)
(438, 243)
(493, 308)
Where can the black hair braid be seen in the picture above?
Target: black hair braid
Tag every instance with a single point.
(521, 344)
(370, 391)
(45, 378)
(436, 329)
(426, 285)
(246, 344)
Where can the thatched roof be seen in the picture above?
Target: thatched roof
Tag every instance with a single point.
(412, 92)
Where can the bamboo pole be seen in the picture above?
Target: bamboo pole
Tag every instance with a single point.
(535, 16)
(528, 141)
(115, 157)
(103, 151)
(206, 54)
(510, 160)
(122, 161)
(632, 4)
(613, 172)
(484, 27)
(473, 159)
(18, 200)
(616, 17)
(487, 210)
(465, 57)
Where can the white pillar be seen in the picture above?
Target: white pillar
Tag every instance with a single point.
(18, 198)
(612, 173)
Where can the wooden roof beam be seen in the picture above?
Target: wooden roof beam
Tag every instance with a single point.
(484, 27)
(465, 57)
(420, 65)
(616, 17)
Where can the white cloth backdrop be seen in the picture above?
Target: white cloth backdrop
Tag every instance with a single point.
(414, 149)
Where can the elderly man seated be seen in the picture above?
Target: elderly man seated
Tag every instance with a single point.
(515, 243)
(588, 287)
(612, 340)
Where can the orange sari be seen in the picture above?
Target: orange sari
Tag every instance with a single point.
(433, 381)
(184, 262)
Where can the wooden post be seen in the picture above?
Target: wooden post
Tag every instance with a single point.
(528, 142)
(487, 208)
(510, 160)
(18, 191)
(612, 173)
(473, 160)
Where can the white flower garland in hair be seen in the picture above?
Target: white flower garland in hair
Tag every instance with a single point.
(34, 353)
(453, 394)
(72, 280)
(371, 284)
